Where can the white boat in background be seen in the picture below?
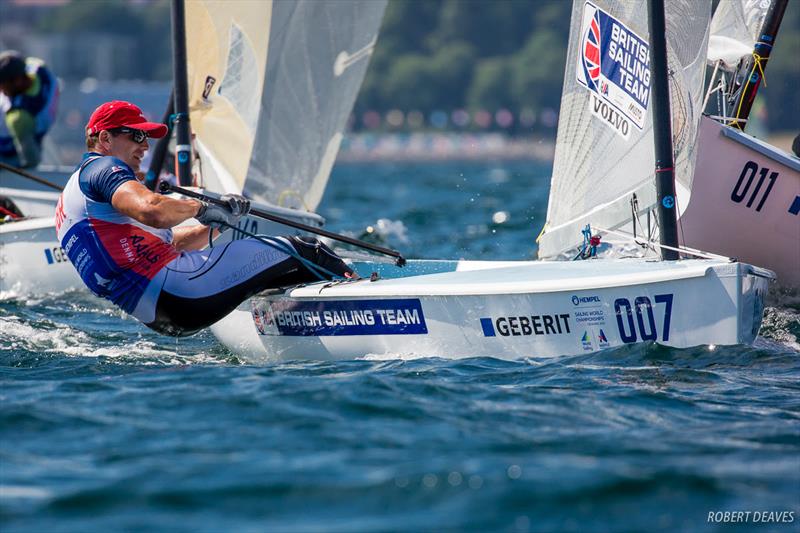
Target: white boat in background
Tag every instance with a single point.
(34, 199)
(737, 196)
(509, 310)
(32, 261)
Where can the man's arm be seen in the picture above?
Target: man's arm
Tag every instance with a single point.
(22, 127)
(188, 238)
(156, 210)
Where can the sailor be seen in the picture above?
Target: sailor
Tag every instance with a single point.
(28, 101)
(122, 239)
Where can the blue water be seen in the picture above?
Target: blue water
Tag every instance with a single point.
(106, 426)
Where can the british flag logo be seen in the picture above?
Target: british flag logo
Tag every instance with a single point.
(591, 51)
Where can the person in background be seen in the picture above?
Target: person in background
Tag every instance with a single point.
(123, 240)
(28, 101)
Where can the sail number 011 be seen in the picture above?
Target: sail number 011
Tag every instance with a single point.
(643, 326)
(746, 178)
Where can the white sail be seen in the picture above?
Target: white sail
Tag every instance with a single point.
(604, 148)
(271, 86)
(734, 30)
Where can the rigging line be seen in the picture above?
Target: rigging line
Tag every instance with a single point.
(635, 219)
(682, 249)
(725, 117)
(756, 64)
(711, 82)
(545, 227)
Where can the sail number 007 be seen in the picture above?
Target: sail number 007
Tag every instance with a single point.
(643, 325)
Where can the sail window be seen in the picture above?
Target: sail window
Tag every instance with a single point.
(240, 83)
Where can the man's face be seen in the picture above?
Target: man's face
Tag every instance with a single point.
(124, 147)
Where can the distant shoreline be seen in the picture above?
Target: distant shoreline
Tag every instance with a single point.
(443, 146)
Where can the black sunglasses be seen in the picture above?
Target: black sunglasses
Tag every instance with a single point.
(137, 136)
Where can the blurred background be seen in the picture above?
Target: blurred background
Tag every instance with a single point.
(449, 79)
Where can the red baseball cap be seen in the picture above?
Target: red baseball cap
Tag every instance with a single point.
(117, 114)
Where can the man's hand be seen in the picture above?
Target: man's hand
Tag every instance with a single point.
(238, 204)
(220, 217)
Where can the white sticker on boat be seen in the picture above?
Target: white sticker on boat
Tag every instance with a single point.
(340, 317)
(614, 65)
(588, 310)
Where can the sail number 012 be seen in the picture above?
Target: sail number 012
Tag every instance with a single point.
(643, 325)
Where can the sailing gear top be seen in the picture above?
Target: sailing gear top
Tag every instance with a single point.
(28, 116)
(137, 267)
(115, 255)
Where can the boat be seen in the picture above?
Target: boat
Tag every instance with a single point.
(737, 196)
(750, 185)
(457, 309)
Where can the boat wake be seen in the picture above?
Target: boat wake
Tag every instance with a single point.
(37, 329)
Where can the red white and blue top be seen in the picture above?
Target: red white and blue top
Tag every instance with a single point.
(115, 255)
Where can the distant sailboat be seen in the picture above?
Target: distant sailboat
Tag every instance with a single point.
(271, 86)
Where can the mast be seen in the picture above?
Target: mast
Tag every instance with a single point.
(752, 71)
(183, 145)
(160, 149)
(662, 131)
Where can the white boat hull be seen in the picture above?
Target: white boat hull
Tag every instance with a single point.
(745, 202)
(534, 309)
(32, 261)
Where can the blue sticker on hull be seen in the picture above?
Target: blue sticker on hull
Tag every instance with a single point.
(339, 318)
